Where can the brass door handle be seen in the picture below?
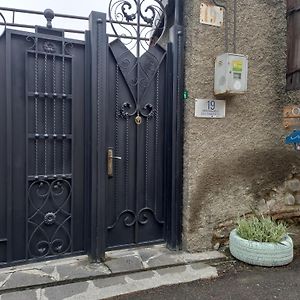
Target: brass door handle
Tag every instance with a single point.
(110, 158)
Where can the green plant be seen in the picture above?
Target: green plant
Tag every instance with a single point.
(261, 229)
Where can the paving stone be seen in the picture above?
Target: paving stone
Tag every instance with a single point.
(162, 260)
(24, 295)
(3, 278)
(21, 279)
(72, 271)
(199, 266)
(124, 264)
(65, 291)
(120, 253)
(146, 254)
(47, 269)
(107, 282)
(171, 270)
(209, 255)
(141, 275)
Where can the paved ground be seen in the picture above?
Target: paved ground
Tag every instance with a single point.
(237, 281)
(151, 273)
(123, 272)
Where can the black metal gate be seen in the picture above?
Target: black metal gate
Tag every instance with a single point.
(42, 154)
(89, 130)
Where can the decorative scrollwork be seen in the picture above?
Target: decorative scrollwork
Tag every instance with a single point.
(147, 111)
(2, 31)
(129, 218)
(138, 20)
(68, 48)
(33, 40)
(145, 214)
(49, 218)
(125, 110)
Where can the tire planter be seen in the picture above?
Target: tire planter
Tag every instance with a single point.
(259, 253)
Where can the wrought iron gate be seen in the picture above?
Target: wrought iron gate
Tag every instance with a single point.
(87, 163)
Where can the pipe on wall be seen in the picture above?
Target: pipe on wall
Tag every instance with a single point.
(223, 5)
(234, 25)
(178, 20)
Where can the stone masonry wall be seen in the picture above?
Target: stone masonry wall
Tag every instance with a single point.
(238, 163)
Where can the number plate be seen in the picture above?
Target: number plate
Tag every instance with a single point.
(210, 108)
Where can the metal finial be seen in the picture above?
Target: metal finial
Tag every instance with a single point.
(49, 15)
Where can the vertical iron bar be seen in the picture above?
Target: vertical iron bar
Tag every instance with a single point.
(72, 133)
(98, 44)
(63, 107)
(45, 112)
(156, 140)
(36, 96)
(54, 112)
(116, 140)
(87, 140)
(168, 172)
(127, 163)
(138, 130)
(175, 221)
(9, 147)
(26, 153)
(146, 161)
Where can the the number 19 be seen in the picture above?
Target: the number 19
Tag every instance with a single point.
(211, 105)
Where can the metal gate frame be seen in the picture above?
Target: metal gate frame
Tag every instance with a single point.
(95, 124)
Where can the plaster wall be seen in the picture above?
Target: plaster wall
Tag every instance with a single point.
(233, 164)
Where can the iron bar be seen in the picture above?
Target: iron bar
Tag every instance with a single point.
(71, 31)
(65, 16)
(35, 12)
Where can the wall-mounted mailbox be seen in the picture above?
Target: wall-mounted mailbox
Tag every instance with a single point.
(231, 74)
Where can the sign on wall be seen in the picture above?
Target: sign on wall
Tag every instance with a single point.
(291, 117)
(211, 15)
(210, 108)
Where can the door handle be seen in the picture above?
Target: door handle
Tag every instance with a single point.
(110, 158)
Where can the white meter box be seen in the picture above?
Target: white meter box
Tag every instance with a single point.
(231, 74)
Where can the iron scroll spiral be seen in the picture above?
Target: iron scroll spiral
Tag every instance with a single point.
(138, 20)
(4, 22)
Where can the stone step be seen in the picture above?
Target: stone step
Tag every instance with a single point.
(103, 288)
(78, 269)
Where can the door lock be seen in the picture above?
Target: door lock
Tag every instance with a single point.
(110, 158)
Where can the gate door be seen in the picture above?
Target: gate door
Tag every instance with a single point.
(136, 127)
(42, 154)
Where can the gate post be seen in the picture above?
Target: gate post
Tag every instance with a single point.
(174, 239)
(98, 90)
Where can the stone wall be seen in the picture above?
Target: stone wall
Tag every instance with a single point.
(238, 163)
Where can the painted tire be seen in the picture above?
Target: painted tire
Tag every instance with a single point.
(261, 254)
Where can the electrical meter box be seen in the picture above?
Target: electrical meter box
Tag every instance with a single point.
(231, 74)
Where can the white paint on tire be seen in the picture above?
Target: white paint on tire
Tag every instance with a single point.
(262, 254)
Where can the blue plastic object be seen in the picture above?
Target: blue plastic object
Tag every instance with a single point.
(293, 138)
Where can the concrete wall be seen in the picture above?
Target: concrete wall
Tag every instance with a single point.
(236, 163)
